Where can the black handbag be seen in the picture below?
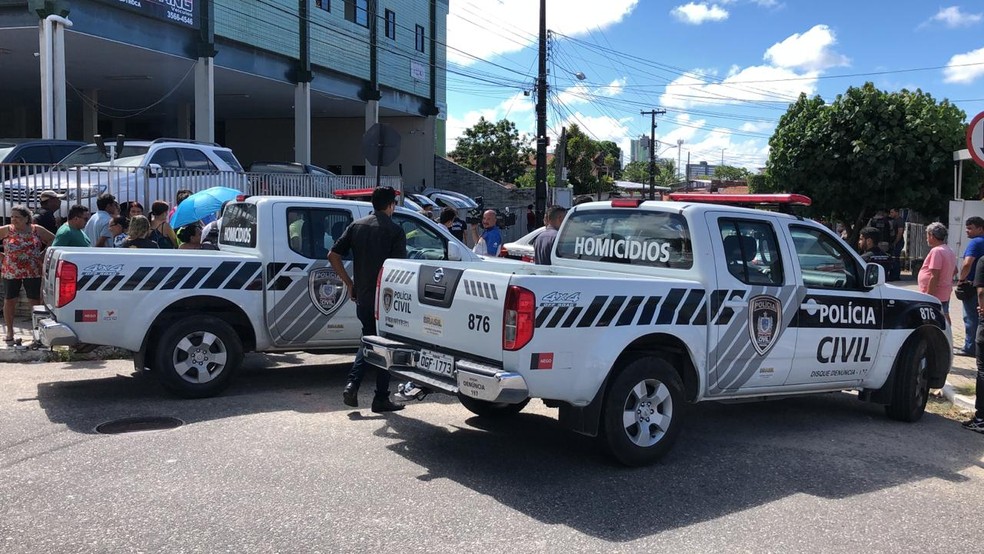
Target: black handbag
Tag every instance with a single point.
(965, 290)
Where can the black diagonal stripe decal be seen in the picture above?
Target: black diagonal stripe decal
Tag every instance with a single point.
(488, 291)
(649, 310)
(558, 315)
(592, 312)
(220, 274)
(273, 269)
(727, 313)
(717, 299)
(669, 307)
(701, 318)
(389, 276)
(407, 278)
(689, 305)
(195, 278)
(573, 317)
(156, 278)
(292, 266)
(117, 279)
(83, 281)
(542, 316)
(97, 282)
(494, 295)
(469, 290)
(135, 279)
(242, 276)
(175, 278)
(630, 311)
(612, 310)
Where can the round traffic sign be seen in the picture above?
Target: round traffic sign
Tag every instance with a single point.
(975, 139)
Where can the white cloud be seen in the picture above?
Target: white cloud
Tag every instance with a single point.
(613, 89)
(695, 14)
(958, 69)
(756, 83)
(953, 17)
(484, 29)
(508, 108)
(757, 127)
(810, 51)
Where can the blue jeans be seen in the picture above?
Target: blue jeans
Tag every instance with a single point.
(364, 310)
(971, 322)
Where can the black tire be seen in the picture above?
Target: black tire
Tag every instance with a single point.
(631, 435)
(911, 388)
(197, 356)
(491, 410)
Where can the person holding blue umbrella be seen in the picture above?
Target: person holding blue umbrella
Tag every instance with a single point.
(202, 204)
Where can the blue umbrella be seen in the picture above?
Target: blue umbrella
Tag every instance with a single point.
(201, 205)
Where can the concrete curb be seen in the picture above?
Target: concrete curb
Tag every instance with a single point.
(26, 355)
(963, 403)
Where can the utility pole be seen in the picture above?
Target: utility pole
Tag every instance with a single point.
(652, 150)
(541, 118)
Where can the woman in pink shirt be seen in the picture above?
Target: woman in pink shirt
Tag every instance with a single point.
(936, 275)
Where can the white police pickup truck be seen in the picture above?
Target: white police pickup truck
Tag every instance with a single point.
(189, 315)
(649, 306)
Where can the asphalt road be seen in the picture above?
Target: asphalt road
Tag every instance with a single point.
(279, 464)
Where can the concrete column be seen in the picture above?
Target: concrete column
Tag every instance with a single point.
(119, 127)
(47, 99)
(205, 100)
(58, 81)
(90, 114)
(184, 121)
(372, 118)
(302, 123)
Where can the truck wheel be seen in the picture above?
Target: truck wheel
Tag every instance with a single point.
(196, 357)
(911, 388)
(643, 411)
(488, 409)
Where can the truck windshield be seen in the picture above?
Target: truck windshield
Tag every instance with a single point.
(644, 238)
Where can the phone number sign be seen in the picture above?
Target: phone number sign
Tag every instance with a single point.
(174, 11)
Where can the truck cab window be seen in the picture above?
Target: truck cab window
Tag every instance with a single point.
(823, 260)
(422, 242)
(751, 251)
(312, 232)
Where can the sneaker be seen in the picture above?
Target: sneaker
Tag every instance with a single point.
(976, 424)
(382, 404)
(959, 352)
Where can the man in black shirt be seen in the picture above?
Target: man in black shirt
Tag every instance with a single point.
(450, 219)
(47, 216)
(371, 240)
(870, 252)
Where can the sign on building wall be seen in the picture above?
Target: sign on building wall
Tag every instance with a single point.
(418, 71)
(174, 11)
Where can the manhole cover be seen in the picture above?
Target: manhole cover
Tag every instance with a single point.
(138, 424)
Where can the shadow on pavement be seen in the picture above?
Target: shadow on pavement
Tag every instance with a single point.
(729, 458)
(266, 383)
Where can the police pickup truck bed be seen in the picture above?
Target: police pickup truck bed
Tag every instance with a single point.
(190, 314)
(652, 305)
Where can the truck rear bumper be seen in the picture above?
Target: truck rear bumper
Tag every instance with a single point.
(49, 332)
(471, 378)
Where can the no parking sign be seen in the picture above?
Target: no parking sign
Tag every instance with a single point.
(975, 139)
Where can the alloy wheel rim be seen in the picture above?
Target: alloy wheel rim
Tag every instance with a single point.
(647, 412)
(200, 357)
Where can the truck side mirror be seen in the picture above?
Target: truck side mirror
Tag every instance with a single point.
(874, 275)
(454, 252)
(155, 170)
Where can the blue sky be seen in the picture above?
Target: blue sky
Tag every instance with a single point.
(724, 71)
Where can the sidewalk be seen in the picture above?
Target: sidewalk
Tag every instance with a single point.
(959, 389)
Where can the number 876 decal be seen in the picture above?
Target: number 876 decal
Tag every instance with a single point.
(478, 322)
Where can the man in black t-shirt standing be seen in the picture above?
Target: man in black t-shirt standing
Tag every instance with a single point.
(449, 218)
(47, 216)
(371, 240)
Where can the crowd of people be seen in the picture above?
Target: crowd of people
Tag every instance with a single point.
(112, 225)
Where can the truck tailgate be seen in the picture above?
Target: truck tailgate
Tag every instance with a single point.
(461, 308)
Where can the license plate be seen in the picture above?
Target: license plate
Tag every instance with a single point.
(435, 362)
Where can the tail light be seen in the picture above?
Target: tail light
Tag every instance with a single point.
(518, 318)
(375, 309)
(66, 274)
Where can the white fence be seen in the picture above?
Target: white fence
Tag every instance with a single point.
(23, 183)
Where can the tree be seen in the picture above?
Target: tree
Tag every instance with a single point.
(868, 150)
(581, 153)
(730, 173)
(613, 158)
(636, 172)
(495, 150)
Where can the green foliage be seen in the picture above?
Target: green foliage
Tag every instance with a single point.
(590, 162)
(757, 184)
(495, 150)
(528, 179)
(867, 150)
(731, 173)
(636, 172)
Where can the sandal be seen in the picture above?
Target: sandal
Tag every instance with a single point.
(9, 340)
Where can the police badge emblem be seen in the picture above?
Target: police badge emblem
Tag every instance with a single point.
(387, 299)
(327, 291)
(764, 322)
